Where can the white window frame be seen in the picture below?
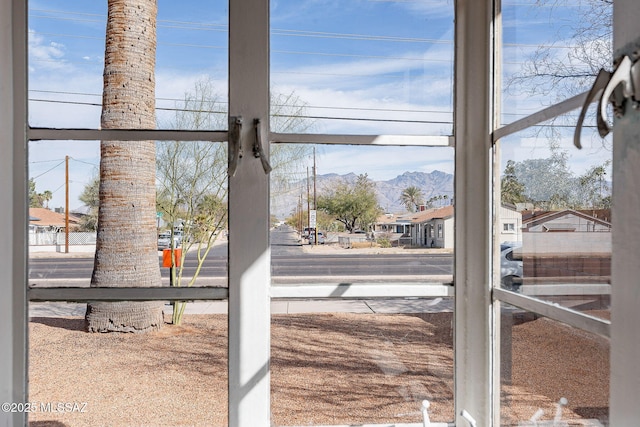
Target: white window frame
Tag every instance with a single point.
(477, 302)
(509, 227)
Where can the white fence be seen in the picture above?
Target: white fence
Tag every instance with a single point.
(55, 238)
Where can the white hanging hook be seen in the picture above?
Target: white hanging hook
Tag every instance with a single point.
(425, 414)
(558, 418)
(467, 416)
(538, 414)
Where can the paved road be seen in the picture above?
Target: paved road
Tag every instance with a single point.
(290, 261)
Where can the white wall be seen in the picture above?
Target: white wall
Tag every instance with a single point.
(566, 243)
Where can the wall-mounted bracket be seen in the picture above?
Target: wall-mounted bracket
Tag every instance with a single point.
(258, 150)
(235, 145)
(618, 88)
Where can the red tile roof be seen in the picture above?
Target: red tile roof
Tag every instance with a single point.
(45, 217)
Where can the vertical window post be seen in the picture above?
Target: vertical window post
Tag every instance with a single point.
(13, 215)
(625, 289)
(472, 271)
(249, 253)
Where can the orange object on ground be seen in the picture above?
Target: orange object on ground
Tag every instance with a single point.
(166, 257)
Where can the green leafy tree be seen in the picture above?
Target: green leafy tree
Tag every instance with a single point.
(440, 198)
(91, 199)
(511, 189)
(354, 205)
(38, 200)
(549, 182)
(412, 197)
(595, 191)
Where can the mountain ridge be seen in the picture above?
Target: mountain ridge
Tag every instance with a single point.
(432, 184)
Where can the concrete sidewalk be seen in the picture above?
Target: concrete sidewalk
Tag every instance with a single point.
(383, 306)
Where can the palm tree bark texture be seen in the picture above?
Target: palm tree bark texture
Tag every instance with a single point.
(126, 247)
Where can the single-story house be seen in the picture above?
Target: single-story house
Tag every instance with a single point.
(393, 223)
(567, 220)
(435, 227)
(45, 220)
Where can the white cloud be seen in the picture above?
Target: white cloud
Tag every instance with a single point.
(45, 56)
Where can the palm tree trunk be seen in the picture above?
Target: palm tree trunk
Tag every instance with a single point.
(126, 247)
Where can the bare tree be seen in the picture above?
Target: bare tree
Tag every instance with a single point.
(192, 176)
(563, 67)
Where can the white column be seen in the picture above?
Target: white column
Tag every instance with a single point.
(473, 307)
(625, 276)
(249, 254)
(13, 215)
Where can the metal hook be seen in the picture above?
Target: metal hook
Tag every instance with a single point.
(235, 147)
(601, 82)
(622, 75)
(258, 149)
(617, 87)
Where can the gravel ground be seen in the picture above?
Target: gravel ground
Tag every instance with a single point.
(327, 369)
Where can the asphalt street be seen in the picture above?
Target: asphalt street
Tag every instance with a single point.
(291, 258)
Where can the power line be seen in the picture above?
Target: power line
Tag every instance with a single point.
(46, 161)
(303, 116)
(49, 170)
(311, 107)
(82, 161)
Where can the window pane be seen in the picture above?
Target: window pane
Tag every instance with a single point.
(168, 377)
(544, 362)
(551, 52)
(382, 214)
(66, 63)
(560, 197)
(372, 67)
(191, 204)
(370, 360)
(355, 367)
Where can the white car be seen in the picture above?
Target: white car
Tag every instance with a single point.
(511, 266)
(312, 238)
(164, 240)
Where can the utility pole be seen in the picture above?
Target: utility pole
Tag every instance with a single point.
(66, 205)
(308, 204)
(315, 199)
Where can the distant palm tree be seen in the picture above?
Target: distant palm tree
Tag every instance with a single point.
(412, 198)
(126, 247)
(46, 196)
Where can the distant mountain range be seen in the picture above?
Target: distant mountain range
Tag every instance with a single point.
(432, 184)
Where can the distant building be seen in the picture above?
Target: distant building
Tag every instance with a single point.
(435, 227)
(45, 220)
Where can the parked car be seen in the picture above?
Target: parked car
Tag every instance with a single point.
(164, 240)
(321, 238)
(307, 231)
(511, 266)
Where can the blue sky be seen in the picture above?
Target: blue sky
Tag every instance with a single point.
(387, 64)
